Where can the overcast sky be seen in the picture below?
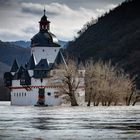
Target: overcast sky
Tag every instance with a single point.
(19, 18)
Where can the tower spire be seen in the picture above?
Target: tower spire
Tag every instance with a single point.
(44, 23)
(44, 10)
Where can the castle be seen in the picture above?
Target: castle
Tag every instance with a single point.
(33, 84)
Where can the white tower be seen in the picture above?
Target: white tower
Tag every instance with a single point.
(44, 45)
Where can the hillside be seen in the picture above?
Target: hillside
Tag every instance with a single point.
(21, 43)
(115, 36)
(9, 52)
(3, 68)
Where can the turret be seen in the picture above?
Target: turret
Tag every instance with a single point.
(44, 23)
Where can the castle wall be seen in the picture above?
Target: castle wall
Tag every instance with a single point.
(24, 95)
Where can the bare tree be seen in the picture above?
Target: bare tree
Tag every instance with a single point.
(70, 81)
(107, 85)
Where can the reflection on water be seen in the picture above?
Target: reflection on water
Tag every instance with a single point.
(68, 123)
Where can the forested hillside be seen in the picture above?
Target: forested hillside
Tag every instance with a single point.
(115, 36)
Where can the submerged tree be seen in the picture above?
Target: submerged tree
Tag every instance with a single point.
(107, 85)
(70, 81)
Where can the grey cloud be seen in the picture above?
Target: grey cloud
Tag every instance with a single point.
(8, 3)
(91, 4)
(31, 11)
(9, 36)
(30, 30)
(36, 9)
(5, 2)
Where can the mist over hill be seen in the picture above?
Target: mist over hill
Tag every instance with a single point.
(115, 36)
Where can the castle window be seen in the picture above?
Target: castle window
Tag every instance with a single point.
(43, 50)
(56, 96)
(49, 94)
(81, 74)
(22, 94)
(25, 94)
(17, 94)
(54, 72)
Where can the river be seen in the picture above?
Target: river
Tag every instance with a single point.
(68, 123)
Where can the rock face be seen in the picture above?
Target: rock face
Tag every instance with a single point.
(115, 36)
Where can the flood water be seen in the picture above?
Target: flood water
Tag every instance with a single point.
(68, 123)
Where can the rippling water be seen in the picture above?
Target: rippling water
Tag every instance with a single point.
(68, 123)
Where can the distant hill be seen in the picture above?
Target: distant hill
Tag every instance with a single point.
(3, 68)
(21, 43)
(26, 44)
(9, 52)
(115, 36)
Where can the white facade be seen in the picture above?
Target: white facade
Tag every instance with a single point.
(24, 97)
(48, 53)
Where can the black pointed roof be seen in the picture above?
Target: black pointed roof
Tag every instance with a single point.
(22, 73)
(59, 60)
(44, 17)
(15, 66)
(80, 64)
(19, 73)
(31, 63)
(42, 65)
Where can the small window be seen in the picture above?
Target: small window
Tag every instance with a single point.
(14, 94)
(81, 74)
(25, 94)
(55, 50)
(43, 50)
(56, 96)
(78, 94)
(22, 94)
(54, 72)
(17, 94)
(49, 94)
